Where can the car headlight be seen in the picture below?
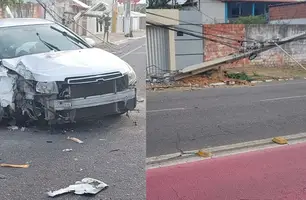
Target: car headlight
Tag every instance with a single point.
(132, 76)
(47, 87)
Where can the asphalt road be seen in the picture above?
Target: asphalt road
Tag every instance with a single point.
(220, 116)
(113, 152)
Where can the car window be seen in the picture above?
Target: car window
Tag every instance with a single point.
(25, 40)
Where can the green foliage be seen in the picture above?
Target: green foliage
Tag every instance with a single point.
(9, 2)
(260, 19)
(161, 4)
(239, 76)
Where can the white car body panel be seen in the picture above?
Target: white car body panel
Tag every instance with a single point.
(56, 66)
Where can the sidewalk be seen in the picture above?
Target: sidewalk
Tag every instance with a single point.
(118, 38)
(272, 174)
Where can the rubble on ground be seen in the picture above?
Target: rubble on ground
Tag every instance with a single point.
(86, 186)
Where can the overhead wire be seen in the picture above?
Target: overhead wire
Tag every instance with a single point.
(192, 34)
(194, 24)
(73, 21)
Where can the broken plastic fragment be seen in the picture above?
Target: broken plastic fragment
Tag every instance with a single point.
(203, 153)
(86, 186)
(14, 166)
(280, 140)
(13, 128)
(67, 150)
(75, 140)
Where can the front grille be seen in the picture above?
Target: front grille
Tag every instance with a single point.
(97, 85)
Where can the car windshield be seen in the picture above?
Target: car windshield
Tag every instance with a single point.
(26, 40)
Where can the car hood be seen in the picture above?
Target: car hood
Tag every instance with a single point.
(56, 66)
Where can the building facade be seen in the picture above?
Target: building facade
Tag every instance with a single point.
(288, 13)
(227, 11)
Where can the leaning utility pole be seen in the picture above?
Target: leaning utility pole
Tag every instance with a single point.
(127, 18)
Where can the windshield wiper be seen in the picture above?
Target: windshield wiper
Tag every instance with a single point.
(76, 41)
(50, 46)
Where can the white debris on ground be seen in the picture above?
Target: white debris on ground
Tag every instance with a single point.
(75, 140)
(86, 186)
(13, 128)
(67, 150)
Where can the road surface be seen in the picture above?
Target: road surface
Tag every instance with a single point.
(221, 116)
(113, 152)
(272, 174)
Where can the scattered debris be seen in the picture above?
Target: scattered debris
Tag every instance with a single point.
(86, 186)
(256, 81)
(13, 128)
(203, 153)
(280, 140)
(135, 123)
(14, 166)
(2, 176)
(114, 150)
(67, 150)
(217, 84)
(75, 140)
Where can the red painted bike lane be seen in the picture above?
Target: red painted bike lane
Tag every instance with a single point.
(271, 174)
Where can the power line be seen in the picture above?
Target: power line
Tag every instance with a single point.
(194, 35)
(189, 23)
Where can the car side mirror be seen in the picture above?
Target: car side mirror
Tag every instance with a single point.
(90, 41)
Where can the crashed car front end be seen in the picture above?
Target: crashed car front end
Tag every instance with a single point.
(70, 100)
(52, 74)
(86, 97)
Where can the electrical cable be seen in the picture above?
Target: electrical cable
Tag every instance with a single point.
(194, 35)
(189, 23)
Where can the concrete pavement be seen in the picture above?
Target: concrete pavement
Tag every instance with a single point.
(272, 174)
(221, 116)
(113, 152)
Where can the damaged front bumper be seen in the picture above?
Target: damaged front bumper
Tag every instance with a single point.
(69, 110)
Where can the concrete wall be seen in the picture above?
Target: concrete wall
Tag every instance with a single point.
(31, 10)
(213, 8)
(163, 16)
(288, 21)
(189, 49)
(272, 58)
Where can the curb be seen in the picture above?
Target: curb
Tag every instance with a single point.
(220, 151)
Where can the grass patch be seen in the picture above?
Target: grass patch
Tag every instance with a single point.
(239, 76)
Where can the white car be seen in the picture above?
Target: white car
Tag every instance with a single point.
(48, 72)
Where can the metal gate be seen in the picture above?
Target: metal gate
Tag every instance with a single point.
(157, 50)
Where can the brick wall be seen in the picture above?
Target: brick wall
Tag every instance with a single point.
(221, 32)
(288, 11)
(271, 58)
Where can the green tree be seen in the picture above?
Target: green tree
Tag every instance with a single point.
(260, 19)
(162, 4)
(9, 2)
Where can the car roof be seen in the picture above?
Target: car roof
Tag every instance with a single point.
(9, 22)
